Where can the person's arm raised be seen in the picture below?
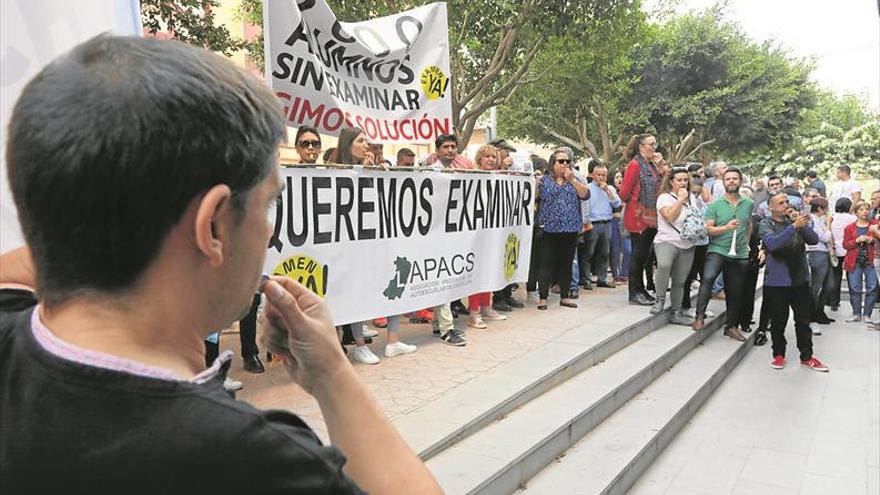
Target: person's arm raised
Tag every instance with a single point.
(298, 328)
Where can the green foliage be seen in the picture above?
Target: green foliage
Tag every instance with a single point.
(190, 21)
(701, 72)
(251, 12)
(580, 77)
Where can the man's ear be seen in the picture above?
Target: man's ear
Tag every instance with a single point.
(214, 217)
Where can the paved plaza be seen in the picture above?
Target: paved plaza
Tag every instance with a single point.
(793, 431)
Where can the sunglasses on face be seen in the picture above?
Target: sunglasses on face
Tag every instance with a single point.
(563, 161)
(309, 144)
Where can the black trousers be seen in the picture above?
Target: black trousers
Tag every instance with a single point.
(641, 250)
(556, 259)
(535, 261)
(696, 270)
(734, 270)
(836, 283)
(247, 330)
(799, 300)
(749, 290)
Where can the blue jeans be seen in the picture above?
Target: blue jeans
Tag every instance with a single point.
(856, 289)
(594, 255)
(575, 276)
(620, 251)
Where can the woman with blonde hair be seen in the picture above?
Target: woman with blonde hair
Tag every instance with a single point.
(480, 305)
(486, 157)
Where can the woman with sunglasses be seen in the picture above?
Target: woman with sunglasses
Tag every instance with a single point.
(308, 144)
(560, 214)
(641, 184)
(675, 254)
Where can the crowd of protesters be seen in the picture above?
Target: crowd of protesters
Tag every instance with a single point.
(663, 230)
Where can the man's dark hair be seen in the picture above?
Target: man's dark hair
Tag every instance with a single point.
(693, 167)
(811, 174)
(304, 129)
(445, 138)
(405, 152)
(845, 168)
(843, 205)
(110, 143)
(773, 177)
(733, 170)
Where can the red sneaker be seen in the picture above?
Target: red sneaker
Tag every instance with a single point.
(814, 364)
(778, 362)
(380, 322)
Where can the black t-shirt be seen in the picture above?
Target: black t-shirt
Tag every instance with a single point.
(66, 427)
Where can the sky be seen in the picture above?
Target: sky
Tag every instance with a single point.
(842, 35)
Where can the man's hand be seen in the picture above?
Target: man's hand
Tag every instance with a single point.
(733, 224)
(800, 221)
(297, 326)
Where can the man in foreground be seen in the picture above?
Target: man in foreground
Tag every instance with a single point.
(787, 279)
(142, 171)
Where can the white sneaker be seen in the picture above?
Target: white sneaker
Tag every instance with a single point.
(493, 315)
(853, 319)
(710, 314)
(690, 313)
(231, 384)
(369, 332)
(533, 296)
(476, 322)
(398, 348)
(815, 329)
(364, 355)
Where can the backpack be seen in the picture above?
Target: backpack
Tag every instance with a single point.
(693, 228)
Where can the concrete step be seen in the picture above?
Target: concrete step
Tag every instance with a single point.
(503, 455)
(610, 459)
(475, 404)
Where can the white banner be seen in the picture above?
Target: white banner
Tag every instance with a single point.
(389, 76)
(375, 243)
(31, 35)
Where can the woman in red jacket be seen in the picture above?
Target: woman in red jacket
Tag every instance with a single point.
(859, 238)
(641, 185)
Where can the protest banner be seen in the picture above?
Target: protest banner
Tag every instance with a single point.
(375, 243)
(388, 76)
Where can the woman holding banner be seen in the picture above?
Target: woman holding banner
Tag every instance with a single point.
(480, 305)
(560, 213)
(353, 149)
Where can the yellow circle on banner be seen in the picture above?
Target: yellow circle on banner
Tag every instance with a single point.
(434, 82)
(511, 256)
(305, 270)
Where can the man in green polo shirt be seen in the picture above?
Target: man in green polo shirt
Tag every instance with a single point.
(727, 220)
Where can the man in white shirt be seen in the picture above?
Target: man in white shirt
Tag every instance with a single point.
(718, 170)
(846, 187)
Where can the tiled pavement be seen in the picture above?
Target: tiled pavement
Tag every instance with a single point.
(793, 431)
(407, 382)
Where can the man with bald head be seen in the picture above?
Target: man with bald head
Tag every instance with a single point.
(787, 279)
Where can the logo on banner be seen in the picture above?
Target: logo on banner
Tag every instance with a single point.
(511, 256)
(429, 275)
(305, 270)
(434, 82)
(397, 284)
